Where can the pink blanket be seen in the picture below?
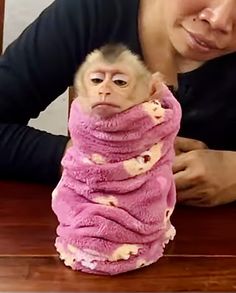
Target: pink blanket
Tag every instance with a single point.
(117, 193)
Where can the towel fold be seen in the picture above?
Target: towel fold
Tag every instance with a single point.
(117, 192)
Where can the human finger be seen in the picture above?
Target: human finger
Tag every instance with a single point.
(183, 144)
(182, 182)
(179, 163)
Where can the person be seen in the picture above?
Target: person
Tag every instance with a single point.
(192, 43)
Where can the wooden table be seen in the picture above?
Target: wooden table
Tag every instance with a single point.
(201, 258)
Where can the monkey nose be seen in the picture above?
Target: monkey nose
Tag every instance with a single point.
(104, 93)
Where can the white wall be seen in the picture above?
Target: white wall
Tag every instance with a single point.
(18, 14)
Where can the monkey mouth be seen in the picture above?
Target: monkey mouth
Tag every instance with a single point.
(104, 104)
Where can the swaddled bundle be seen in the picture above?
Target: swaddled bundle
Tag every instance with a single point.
(117, 192)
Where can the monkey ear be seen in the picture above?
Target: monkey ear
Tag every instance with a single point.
(152, 89)
(156, 85)
(158, 77)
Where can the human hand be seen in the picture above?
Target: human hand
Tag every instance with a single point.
(205, 177)
(183, 145)
(68, 145)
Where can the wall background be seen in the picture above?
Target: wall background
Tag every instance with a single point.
(18, 15)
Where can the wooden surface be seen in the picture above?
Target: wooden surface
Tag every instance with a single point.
(201, 258)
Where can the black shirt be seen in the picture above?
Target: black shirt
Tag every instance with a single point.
(41, 63)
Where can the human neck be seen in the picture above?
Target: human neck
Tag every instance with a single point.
(184, 64)
(157, 51)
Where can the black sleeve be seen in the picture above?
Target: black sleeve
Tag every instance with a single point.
(34, 70)
(39, 66)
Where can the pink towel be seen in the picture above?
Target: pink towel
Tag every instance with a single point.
(117, 192)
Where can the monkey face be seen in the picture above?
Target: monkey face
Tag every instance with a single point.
(110, 80)
(110, 89)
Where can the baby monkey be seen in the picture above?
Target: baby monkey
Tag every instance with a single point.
(112, 79)
(117, 193)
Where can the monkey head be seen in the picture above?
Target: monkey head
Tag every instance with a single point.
(111, 80)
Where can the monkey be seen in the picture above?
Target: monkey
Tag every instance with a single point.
(112, 79)
(116, 193)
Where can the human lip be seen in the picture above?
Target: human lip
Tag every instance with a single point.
(200, 42)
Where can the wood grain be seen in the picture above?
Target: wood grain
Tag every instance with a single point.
(169, 274)
(201, 258)
(26, 208)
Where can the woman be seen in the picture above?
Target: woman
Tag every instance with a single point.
(191, 42)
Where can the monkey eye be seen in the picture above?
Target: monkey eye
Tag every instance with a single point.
(120, 80)
(96, 80)
(97, 77)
